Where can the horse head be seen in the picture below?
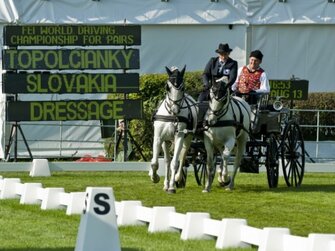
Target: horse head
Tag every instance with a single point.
(219, 100)
(175, 89)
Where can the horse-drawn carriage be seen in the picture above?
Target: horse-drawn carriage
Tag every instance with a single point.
(275, 139)
(209, 135)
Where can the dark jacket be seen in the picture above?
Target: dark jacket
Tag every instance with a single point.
(211, 71)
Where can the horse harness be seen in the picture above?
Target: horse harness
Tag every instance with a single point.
(226, 123)
(176, 118)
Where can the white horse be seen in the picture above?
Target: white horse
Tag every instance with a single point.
(175, 121)
(228, 123)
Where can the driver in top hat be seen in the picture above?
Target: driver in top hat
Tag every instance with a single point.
(218, 67)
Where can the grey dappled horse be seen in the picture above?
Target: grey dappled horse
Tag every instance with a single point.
(175, 121)
(228, 122)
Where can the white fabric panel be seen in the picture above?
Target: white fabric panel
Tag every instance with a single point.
(173, 12)
(135, 11)
(57, 139)
(304, 51)
(2, 124)
(303, 11)
(193, 45)
(7, 11)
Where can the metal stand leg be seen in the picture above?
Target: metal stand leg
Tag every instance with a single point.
(125, 134)
(16, 127)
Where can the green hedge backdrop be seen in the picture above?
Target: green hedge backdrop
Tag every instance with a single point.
(152, 91)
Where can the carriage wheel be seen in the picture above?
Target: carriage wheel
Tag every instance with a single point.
(200, 171)
(293, 154)
(182, 182)
(272, 161)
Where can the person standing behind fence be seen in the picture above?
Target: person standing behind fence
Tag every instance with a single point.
(217, 67)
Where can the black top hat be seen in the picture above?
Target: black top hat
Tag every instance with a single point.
(223, 48)
(256, 54)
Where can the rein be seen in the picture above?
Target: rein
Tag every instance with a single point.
(224, 109)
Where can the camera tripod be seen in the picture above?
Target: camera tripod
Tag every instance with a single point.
(126, 135)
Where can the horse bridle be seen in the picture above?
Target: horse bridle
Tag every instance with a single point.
(170, 102)
(225, 99)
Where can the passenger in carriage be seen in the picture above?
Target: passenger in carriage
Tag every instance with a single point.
(252, 83)
(251, 79)
(216, 68)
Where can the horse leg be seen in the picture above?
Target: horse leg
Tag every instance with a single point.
(223, 174)
(167, 162)
(226, 180)
(179, 140)
(220, 171)
(240, 149)
(182, 157)
(209, 166)
(154, 161)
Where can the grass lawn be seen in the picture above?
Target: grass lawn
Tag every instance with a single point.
(304, 210)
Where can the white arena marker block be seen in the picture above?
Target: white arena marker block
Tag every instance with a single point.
(160, 219)
(98, 229)
(320, 242)
(332, 245)
(77, 203)
(8, 190)
(231, 234)
(273, 239)
(30, 193)
(194, 226)
(40, 167)
(51, 198)
(295, 243)
(127, 213)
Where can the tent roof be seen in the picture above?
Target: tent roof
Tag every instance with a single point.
(171, 12)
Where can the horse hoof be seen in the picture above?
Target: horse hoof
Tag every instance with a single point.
(229, 189)
(205, 190)
(155, 178)
(171, 190)
(225, 183)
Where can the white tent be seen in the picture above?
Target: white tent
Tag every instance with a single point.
(295, 37)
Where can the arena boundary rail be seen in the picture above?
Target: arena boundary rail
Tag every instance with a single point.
(55, 166)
